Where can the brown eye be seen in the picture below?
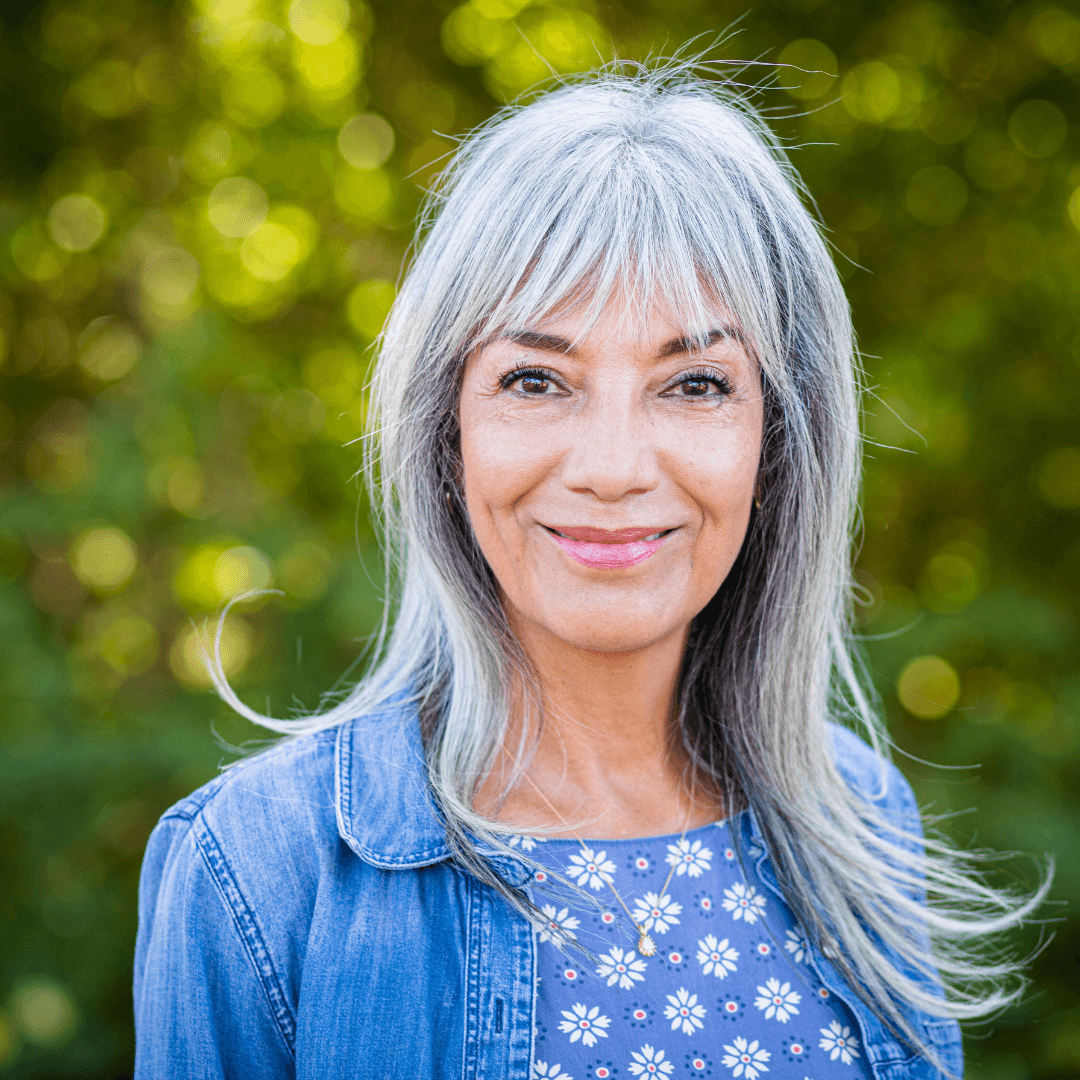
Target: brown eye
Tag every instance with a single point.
(696, 387)
(701, 385)
(536, 382)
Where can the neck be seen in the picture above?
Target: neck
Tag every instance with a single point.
(608, 759)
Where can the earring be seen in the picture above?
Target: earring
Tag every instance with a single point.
(757, 502)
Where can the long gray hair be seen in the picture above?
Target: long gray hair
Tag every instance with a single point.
(665, 187)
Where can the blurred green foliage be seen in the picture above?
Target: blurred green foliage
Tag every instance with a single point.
(204, 206)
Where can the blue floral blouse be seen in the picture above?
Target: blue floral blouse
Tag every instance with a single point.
(728, 992)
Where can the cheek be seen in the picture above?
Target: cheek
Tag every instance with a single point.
(718, 471)
(501, 463)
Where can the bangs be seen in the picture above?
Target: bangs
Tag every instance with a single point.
(681, 207)
(635, 266)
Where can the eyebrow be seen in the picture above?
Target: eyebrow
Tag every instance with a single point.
(534, 339)
(690, 345)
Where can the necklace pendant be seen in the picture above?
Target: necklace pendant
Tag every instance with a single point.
(646, 946)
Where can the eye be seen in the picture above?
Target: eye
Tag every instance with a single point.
(532, 381)
(701, 384)
(695, 387)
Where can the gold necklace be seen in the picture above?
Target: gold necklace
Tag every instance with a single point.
(645, 944)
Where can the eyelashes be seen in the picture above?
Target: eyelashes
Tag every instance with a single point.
(722, 384)
(707, 375)
(539, 373)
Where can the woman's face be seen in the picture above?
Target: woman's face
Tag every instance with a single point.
(610, 484)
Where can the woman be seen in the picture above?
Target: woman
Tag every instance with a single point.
(587, 815)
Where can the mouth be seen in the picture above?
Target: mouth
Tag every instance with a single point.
(608, 549)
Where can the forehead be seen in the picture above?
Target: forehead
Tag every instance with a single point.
(655, 327)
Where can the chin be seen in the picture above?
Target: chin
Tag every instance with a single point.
(610, 631)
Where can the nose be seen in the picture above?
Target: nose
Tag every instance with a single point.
(612, 453)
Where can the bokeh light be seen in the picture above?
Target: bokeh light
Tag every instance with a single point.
(216, 573)
(871, 91)
(195, 646)
(237, 206)
(304, 572)
(369, 304)
(1038, 128)
(103, 558)
(1059, 477)
(319, 22)
(936, 195)
(808, 68)
(928, 687)
(366, 141)
(76, 222)
(44, 1012)
(108, 350)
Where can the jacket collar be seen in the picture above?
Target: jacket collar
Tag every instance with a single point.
(385, 809)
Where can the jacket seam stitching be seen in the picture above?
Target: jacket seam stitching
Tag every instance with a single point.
(247, 928)
(474, 932)
(344, 778)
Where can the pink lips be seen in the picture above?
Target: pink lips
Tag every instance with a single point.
(607, 549)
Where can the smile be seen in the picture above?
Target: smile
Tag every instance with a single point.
(608, 549)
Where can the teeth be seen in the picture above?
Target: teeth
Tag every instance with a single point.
(655, 536)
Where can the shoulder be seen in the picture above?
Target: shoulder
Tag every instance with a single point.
(874, 777)
(292, 780)
(263, 819)
(226, 896)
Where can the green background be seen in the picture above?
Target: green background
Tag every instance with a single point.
(198, 244)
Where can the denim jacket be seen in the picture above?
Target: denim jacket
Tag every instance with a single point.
(301, 916)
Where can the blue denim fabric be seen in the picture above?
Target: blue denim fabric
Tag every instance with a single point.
(301, 916)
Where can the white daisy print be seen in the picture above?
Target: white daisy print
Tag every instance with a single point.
(689, 858)
(622, 968)
(746, 1059)
(684, 1012)
(526, 843)
(542, 1071)
(559, 926)
(744, 903)
(650, 1062)
(797, 945)
(657, 912)
(716, 957)
(592, 868)
(585, 1024)
(778, 1001)
(838, 1042)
